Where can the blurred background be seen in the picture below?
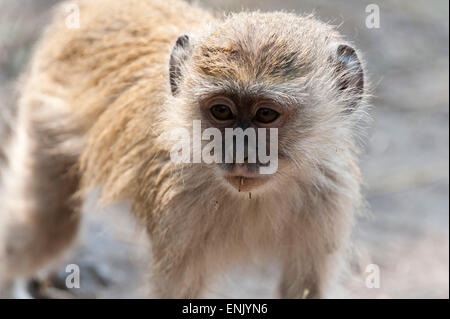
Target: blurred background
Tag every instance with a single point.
(406, 163)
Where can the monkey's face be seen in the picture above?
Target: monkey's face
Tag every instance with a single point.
(249, 127)
(289, 80)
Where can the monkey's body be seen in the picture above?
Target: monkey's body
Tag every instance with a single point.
(94, 108)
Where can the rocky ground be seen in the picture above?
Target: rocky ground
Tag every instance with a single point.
(405, 165)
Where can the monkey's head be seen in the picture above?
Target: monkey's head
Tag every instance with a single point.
(275, 70)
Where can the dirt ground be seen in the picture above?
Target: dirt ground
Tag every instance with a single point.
(405, 164)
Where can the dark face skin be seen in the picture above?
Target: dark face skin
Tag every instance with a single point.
(233, 111)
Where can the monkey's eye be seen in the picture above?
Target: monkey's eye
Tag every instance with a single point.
(266, 115)
(222, 112)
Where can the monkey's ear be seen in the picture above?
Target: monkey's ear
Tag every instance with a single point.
(180, 53)
(350, 74)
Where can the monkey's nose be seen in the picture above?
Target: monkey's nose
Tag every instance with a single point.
(244, 162)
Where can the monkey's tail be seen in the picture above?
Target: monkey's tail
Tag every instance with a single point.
(7, 120)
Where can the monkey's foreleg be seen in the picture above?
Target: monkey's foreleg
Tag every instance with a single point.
(307, 274)
(177, 274)
(177, 283)
(300, 283)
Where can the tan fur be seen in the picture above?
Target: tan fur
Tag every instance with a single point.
(95, 108)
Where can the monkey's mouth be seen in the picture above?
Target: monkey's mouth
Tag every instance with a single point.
(243, 180)
(245, 184)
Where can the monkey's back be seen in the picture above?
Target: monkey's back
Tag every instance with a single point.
(119, 45)
(106, 80)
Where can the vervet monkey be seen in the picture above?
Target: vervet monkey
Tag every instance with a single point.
(98, 101)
